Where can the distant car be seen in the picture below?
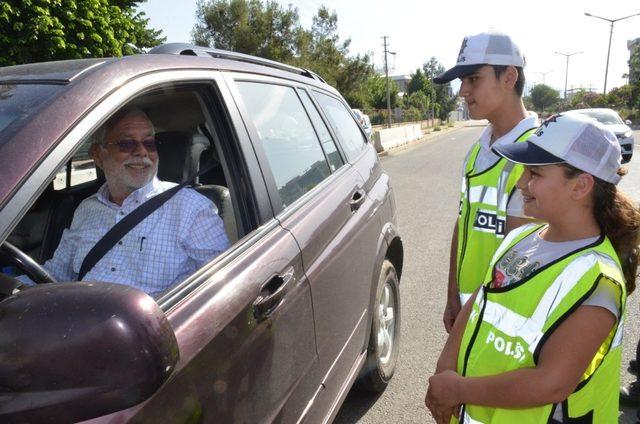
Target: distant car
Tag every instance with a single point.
(612, 120)
(275, 329)
(364, 121)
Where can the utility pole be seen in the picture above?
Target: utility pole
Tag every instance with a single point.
(566, 74)
(611, 21)
(386, 72)
(544, 74)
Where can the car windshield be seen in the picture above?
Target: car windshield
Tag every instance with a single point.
(604, 117)
(20, 101)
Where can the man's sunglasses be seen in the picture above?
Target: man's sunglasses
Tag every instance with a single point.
(130, 146)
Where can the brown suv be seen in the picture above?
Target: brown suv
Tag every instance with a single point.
(278, 327)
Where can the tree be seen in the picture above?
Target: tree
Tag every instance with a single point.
(620, 97)
(268, 30)
(420, 82)
(444, 101)
(634, 75)
(271, 31)
(377, 89)
(544, 96)
(326, 55)
(42, 30)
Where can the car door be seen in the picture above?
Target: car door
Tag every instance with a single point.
(243, 322)
(244, 326)
(341, 268)
(322, 200)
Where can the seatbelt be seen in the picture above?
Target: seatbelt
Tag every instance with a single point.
(127, 223)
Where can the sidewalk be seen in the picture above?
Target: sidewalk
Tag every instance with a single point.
(431, 134)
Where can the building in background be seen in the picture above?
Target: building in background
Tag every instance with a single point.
(402, 81)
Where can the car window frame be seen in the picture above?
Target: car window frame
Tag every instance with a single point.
(276, 201)
(67, 146)
(336, 137)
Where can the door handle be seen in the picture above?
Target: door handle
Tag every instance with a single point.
(271, 294)
(357, 199)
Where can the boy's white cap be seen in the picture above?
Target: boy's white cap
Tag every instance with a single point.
(570, 138)
(486, 48)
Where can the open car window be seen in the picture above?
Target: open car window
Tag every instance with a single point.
(188, 141)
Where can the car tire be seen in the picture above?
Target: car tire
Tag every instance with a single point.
(384, 342)
(626, 158)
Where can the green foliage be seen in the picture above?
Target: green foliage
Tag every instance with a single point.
(634, 76)
(269, 30)
(43, 30)
(376, 87)
(420, 83)
(620, 97)
(413, 114)
(420, 101)
(528, 104)
(543, 96)
(250, 27)
(443, 101)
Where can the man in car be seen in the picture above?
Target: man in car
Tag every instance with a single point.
(490, 66)
(168, 245)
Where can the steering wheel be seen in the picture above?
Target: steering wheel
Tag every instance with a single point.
(34, 270)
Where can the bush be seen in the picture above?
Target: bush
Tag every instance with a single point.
(412, 114)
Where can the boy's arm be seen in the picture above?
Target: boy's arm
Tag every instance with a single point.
(453, 306)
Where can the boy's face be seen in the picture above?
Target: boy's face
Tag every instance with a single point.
(484, 93)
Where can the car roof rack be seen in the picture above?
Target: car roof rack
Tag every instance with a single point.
(187, 49)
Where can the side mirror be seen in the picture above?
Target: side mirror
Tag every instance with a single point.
(628, 122)
(74, 351)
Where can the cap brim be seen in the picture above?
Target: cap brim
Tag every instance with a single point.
(527, 153)
(458, 71)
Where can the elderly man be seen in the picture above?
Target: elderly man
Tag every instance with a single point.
(167, 246)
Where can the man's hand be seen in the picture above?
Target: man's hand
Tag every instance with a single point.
(451, 311)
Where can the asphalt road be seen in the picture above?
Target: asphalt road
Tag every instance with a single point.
(426, 181)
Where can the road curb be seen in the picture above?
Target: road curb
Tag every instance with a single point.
(432, 134)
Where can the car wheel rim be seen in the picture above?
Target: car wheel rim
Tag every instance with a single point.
(386, 320)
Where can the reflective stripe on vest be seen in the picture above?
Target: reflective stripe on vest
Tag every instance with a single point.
(508, 326)
(482, 219)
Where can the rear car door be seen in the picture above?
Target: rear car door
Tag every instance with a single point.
(321, 198)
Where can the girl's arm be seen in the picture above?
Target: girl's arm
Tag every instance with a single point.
(448, 359)
(562, 362)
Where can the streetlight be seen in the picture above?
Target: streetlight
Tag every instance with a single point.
(544, 74)
(611, 21)
(566, 74)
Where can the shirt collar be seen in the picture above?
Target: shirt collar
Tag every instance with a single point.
(530, 121)
(140, 195)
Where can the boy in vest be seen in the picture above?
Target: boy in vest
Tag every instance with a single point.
(490, 66)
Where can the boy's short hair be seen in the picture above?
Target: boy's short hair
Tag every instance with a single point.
(519, 86)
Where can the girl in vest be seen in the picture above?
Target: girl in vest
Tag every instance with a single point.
(540, 341)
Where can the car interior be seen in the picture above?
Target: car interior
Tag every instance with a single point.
(189, 149)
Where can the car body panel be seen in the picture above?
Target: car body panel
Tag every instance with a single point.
(238, 363)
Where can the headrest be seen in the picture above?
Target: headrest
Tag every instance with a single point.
(179, 155)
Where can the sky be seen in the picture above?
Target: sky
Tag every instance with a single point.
(419, 29)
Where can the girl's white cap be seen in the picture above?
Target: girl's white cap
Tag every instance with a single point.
(569, 138)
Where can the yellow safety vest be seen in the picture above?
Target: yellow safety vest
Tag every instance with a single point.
(483, 214)
(508, 327)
